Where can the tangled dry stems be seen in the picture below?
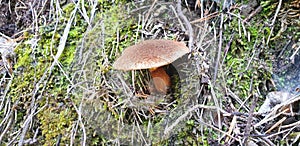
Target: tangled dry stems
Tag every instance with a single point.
(110, 99)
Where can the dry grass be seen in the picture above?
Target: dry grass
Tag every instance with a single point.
(117, 106)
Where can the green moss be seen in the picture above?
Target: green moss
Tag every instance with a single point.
(33, 63)
(56, 123)
(185, 136)
(112, 32)
(242, 65)
(23, 53)
(57, 116)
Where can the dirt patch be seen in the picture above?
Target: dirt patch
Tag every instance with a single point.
(19, 15)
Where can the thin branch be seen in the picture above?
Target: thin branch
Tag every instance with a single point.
(273, 22)
(220, 48)
(183, 116)
(188, 25)
(250, 118)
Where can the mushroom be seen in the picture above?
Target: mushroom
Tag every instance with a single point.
(152, 55)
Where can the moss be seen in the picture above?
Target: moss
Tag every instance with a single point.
(185, 136)
(242, 65)
(57, 116)
(56, 122)
(33, 63)
(112, 31)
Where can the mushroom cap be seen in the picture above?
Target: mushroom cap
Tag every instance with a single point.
(150, 54)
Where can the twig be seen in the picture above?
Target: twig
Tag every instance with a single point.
(26, 124)
(219, 50)
(231, 127)
(84, 13)
(94, 7)
(266, 140)
(8, 124)
(277, 123)
(179, 20)
(150, 9)
(276, 108)
(292, 58)
(236, 98)
(141, 132)
(285, 47)
(78, 111)
(273, 22)
(215, 99)
(183, 116)
(227, 48)
(212, 15)
(63, 39)
(278, 133)
(6, 91)
(188, 25)
(291, 125)
(257, 10)
(249, 118)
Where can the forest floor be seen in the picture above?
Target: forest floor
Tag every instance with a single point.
(238, 85)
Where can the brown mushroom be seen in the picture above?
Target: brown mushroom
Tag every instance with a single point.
(152, 55)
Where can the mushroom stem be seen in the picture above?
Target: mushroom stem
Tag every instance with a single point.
(161, 79)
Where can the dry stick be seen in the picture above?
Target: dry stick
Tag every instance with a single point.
(215, 99)
(179, 21)
(212, 15)
(7, 110)
(227, 48)
(6, 91)
(141, 133)
(290, 132)
(278, 133)
(257, 10)
(187, 23)
(285, 47)
(8, 124)
(183, 116)
(266, 140)
(27, 122)
(276, 108)
(273, 22)
(276, 124)
(237, 99)
(294, 54)
(93, 11)
(219, 50)
(84, 13)
(80, 122)
(291, 125)
(150, 9)
(5, 36)
(249, 119)
(231, 127)
(43, 7)
(73, 133)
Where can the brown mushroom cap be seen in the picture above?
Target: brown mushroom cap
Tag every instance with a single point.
(150, 54)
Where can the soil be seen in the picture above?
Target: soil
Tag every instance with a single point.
(17, 15)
